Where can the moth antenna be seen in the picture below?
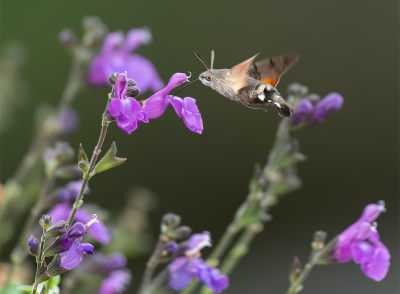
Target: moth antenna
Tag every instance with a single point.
(201, 59)
(184, 87)
(212, 59)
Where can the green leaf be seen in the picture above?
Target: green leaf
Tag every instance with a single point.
(109, 160)
(53, 282)
(83, 161)
(25, 288)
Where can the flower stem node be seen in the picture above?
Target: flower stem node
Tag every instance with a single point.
(45, 221)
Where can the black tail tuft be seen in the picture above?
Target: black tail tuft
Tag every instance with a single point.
(285, 110)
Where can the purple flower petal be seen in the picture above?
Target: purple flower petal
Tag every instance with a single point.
(74, 187)
(181, 273)
(211, 277)
(69, 120)
(362, 251)
(116, 282)
(117, 106)
(87, 248)
(199, 241)
(303, 110)
(98, 230)
(192, 116)
(378, 265)
(121, 85)
(331, 103)
(177, 104)
(136, 38)
(144, 73)
(73, 257)
(76, 231)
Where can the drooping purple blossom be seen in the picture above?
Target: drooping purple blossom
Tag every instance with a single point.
(129, 113)
(373, 256)
(116, 56)
(33, 246)
(99, 231)
(156, 105)
(308, 114)
(183, 269)
(115, 282)
(126, 110)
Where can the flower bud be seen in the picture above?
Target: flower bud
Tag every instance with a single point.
(42, 275)
(60, 228)
(45, 221)
(169, 222)
(297, 90)
(33, 246)
(113, 78)
(67, 37)
(319, 240)
(132, 92)
(295, 270)
(180, 232)
(131, 82)
(170, 249)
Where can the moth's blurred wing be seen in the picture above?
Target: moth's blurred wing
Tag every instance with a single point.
(270, 70)
(238, 74)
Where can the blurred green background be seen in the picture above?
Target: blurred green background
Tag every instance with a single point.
(350, 47)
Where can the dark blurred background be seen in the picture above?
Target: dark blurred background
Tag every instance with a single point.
(350, 47)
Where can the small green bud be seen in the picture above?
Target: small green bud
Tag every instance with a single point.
(170, 221)
(319, 240)
(295, 270)
(113, 78)
(45, 221)
(60, 228)
(181, 232)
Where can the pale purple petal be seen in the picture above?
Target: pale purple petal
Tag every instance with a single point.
(74, 234)
(192, 116)
(331, 103)
(73, 257)
(177, 104)
(123, 121)
(60, 212)
(199, 241)
(155, 106)
(117, 106)
(98, 230)
(116, 282)
(211, 277)
(136, 38)
(144, 73)
(362, 251)
(181, 273)
(111, 42)
(121, 85)
(87, 248)
(377, 267)
(303, 110)
(74, 187)
(371, 212)
(69, 120)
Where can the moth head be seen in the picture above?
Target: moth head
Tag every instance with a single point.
(206, 78)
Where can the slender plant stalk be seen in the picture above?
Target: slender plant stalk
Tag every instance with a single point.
(298, 284)
(39, 261)
(86, 175)
(241, 246)
(151, 266)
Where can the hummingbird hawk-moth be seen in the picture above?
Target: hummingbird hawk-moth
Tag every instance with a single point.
(251, 83)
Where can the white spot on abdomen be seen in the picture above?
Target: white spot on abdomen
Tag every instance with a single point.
(261, 97)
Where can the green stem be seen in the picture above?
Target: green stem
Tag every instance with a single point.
(151, 266)
(297, 286)
(86, 178)
(39, 261)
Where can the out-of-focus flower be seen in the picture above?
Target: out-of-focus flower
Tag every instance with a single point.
(310, 111)
(99, 231)
(183, 269)
(126, 110)
(116, 282)
(373, 255)
(156, 105)
(68, 120)
(71, 191)
(116, 56)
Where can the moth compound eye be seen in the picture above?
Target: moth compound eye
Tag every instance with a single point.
(208, 78)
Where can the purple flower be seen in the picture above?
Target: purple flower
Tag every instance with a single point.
(116, 282)
(126, 110)
(99, 231)
(115, 56)
(331, 103)
(156, 105)
(183, 269)
(303, 110)
(76, 231)
(33, 246)
(310, 111)
(373, 255)
(71, 191)
(68, 119)
(73, 257)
